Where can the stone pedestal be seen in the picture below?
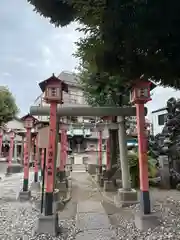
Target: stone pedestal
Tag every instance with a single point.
(67, 173)
(144, 222)
(24, 196)
(48, 225)
(14, 168)
(62, 187)
(97, 177)
(164, 172)
(109, 186)
(126, 198)
(101, 182)
(119, 183)
(35, 185)
(92, 168)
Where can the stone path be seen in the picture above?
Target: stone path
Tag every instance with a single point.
(92, 221)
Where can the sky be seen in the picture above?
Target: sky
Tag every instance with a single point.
(31, 49)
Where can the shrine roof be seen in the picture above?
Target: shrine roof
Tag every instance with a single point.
(43, 84)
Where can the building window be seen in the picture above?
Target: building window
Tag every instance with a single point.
(162, 119)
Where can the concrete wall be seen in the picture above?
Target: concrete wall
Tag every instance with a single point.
(154, 118)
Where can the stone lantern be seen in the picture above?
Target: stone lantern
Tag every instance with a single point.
(140, 92)
(53, 89)
(28, 121)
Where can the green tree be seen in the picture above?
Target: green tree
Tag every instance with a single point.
(8, 107)
(134, 37)
(108, 94)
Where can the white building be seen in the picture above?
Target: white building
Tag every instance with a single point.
(158, 120)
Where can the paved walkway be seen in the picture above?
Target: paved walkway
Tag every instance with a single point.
(92, 222)
(91, 219)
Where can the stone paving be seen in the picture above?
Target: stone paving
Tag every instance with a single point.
(93, 222)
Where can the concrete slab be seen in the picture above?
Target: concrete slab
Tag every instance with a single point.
(62, 186)
(92, 221)
(109, 186)
(48, 225)
(144, 222)
(14, 168)
(90, 207)
(24, 196)
(100, 234)
(35, 185)
(125, 198)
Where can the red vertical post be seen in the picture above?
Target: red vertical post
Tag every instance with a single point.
(108, 154)
(36, 160)
(65, 146)
(62, 150)
(143, 158)
(26, 159)
(62, 155)
(100, 152)
(51, 160)
(53, 89)
(141, 95)
(42, 162)
(11, 148)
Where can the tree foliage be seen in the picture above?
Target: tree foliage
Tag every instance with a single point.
(100, 89)
(8, 107)
(129, 37)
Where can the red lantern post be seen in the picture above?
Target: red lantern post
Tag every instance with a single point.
(100, 152)
(53, 89)
(62, 155)
(11, 149)
(36, 160)
(65, 147)
(108, 154)
(1, 140)
(42, 161)
(28, 124)
(141, 95)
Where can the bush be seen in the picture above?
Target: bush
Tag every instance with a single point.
(134, 167)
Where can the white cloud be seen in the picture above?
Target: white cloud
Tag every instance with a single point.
(6, 74)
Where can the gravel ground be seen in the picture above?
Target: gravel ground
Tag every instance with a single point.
(18, 220)
(169, 227)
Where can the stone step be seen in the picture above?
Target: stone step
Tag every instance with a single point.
(79, 168)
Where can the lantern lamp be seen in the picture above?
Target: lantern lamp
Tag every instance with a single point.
(11, 134)
(141, 92)
(53, 89)
(29, 121)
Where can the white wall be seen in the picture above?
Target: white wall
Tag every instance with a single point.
(15, 124)
(154, 119)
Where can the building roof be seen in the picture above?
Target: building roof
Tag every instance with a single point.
(159, 110)
(70, 78)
